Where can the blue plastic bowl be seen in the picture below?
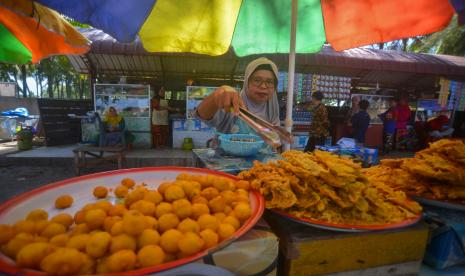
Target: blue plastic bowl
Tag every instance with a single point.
(240, 148)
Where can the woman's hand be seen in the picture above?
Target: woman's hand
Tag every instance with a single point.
(224, 97)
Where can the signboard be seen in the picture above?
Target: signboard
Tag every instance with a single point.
(8, 89)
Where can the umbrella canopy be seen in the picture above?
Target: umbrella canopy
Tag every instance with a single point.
(30, 32)
(258, 26)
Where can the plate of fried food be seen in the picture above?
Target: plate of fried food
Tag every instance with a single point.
(328, 191)
(125, 222)
(435, 176)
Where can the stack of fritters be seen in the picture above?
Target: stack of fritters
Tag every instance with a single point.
(437, 172)
(327, 187)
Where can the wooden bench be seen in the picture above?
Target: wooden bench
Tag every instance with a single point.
(96, 154)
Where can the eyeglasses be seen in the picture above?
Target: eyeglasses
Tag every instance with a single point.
(257, 82)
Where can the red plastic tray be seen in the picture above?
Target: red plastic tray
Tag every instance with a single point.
(81, 189)
(347, 227)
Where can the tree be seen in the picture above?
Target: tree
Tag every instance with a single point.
(450, 41)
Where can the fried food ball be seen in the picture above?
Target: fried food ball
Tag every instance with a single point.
(60, 240)
(190, 243)
(121, 191)
(220, 216)
(145, 207)
(136, 195)
(153, 196)
(169, 240)
(40, 239)
(87, 264)
(104, 205)
(174, 192)
(122, 260)
(118, 210)
(243, 184)
(152, 223)
(134, 223)
(242, 192)
(37, 214)
(98, 244)
(224, 184)
(150, 255)
(233, 221)
(100, 192)
(167, 221)
(227, 209)
(148, 237)
(64, 261)
(109, 222)
(80, 217)
(191, 188)
(163, 208)
(53, 229)
(182, 208)
(229, 196)
(242, 211)
(161, 189)
(78, 242)
(207, 181)
(64, 219)
(217, 204)
(24, 226)
(117, 228)
(199, 199)
(210, 238)
(225, 231)
(32, 254)
(13, 246)
(199, 209)
(169, 257)
(88, 207)
(95, 218)
(123, 241)
(208, 222)
(210, 193)
(101, 266)
(80, 229)
(128, 182)
(189, 225)
(63, 201)
(185, 176)
(40, 225)
(7, 232)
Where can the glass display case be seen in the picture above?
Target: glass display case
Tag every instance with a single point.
(195, 95)
(132, 101)
(378, 104)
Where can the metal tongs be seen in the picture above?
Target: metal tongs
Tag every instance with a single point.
(271, 134)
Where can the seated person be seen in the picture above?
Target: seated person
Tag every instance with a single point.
(113, 126)
(439, 127)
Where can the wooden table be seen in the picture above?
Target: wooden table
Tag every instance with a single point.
(305, 250)
(97, 157)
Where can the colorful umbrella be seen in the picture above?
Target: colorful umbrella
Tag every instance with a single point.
(258, 26)
(30, 32)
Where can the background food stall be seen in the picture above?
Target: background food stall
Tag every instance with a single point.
(132, 102)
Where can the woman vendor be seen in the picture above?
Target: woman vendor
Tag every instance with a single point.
(258, 95)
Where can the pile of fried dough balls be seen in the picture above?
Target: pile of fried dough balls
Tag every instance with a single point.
(147, 228)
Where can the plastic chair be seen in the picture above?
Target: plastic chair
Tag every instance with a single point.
(105, 136)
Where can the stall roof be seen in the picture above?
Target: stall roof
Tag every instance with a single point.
(388, 68)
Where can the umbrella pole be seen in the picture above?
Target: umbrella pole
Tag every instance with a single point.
(290, 83)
